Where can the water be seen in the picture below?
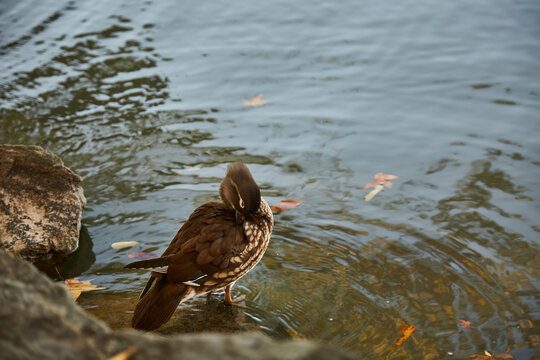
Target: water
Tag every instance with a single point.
(132, 94)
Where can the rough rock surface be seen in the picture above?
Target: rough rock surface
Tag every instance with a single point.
(41, 203)
(40, 321)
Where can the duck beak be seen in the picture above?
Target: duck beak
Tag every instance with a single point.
(239, 217)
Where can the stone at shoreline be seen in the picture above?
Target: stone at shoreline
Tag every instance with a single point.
(41, 203)
(40, 321)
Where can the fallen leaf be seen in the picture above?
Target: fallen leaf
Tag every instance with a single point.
(505, 356)
(123, 244)
(124, 355)
(481, 357)
(373, 192)
(381, 179)
(406, 331)
(191, 169)
(465, 324)
(488, 356)
(256, 101)
(293, 334)
(286, 205)
(76, 287)
(142, 255)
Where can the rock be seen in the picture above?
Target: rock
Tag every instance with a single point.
(40, 321)
(41, 203)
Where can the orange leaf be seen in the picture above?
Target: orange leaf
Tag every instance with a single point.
(488, 356)
(76, 287)
(465, 324)
(142, 255)
(286, 205)
(124, 355)
(406, 331)
(481, 357)
(256, 101)
(505, 356)
(381, 179)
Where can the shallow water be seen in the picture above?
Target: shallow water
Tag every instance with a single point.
(133, 95)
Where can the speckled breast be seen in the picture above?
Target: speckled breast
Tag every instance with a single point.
(257, 230)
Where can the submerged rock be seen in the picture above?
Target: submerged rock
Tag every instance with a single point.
(41, 203)
(40, 321)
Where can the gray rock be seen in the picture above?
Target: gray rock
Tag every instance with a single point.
(41, 203)
(39, 320)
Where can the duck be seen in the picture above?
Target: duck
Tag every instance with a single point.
(218, 244)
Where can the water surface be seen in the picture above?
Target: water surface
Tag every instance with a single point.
(133, 94)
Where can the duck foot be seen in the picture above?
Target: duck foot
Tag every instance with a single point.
(233, 302)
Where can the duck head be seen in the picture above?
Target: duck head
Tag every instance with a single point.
(239, 191)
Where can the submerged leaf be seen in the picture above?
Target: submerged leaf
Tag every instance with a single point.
(142, 255)
(488, 356)
(465, 324)
(76, 287)
(124, 355)
(406, 331)
(505, 356)
(256, 101)
(286, 205)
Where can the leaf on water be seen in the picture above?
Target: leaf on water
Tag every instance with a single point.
(505, 356)
(465, 324)
(142, 255)
(256, 101)
(286, 205)
(406, 331)
(190, 169)
(124, 355)
(123, 244)
(381, 179)
(488, 356)
(293, 334)
(373, 192)
(76, 287)
(481, 357)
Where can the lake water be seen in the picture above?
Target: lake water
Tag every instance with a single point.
(143, 99)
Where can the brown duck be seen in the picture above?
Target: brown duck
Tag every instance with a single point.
(216, 246)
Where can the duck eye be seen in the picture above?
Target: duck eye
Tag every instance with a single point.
(241, 203)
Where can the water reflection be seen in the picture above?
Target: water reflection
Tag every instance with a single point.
(76, 264)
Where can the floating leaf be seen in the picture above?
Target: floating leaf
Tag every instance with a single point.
(488, 356)
(381, 179)
(191, 169)
(373, 192)
(124, 355)
(76, 287)
(123, 244)
(406, 331)
(286, 205)
(256, 101)
(142, 255)
(465, 324)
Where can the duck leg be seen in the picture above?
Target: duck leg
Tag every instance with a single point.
(233, 302)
